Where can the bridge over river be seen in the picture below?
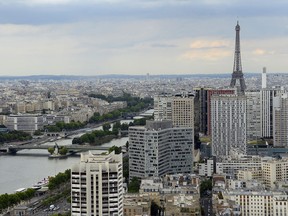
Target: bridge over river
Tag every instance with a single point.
(71, 148)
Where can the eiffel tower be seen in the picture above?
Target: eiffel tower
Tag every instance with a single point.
(237, 69)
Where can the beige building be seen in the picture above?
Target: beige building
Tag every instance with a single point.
(274, 171)
(136, 205)
(97, 185)
(250, 174)
(178, 194)
(259, 203)
(183, 110)
(178, 108)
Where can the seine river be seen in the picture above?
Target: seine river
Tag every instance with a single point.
(25, 169)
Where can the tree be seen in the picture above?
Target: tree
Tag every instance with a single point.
(116, 149)
(205, 185)
(134, 185)
(38, 133)
(126, 168)
(51, 150)
(197, 141)
(63, 150)
(106, 127)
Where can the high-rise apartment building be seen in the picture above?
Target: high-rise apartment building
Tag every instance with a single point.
(228, 121)
(253, 114)
(280, 120)
(210, 93)
(159, 148)
(178, 108)
(201, 110)
(97, 185)
(266, 109)
(183, 110)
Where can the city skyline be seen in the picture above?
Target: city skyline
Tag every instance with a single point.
(72, 37)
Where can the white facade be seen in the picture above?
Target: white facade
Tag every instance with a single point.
(228, 123)
(163, 107)
(231, 165)
(158, 149)
(26, 123)
(207, 168)
(259, 203)
(97, 185)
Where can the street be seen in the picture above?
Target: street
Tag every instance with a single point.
(206, 204)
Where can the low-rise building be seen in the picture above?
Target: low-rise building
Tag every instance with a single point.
(26, 123)
(136, 205)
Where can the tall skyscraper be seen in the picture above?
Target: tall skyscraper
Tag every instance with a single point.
(237, 68)
(266, 108)
(253, 114)
(179, 108)
(210, 93)
(228, 121)
(183, 110)
(97, 185)
(280, 120)
(159, 148)
(201, 110)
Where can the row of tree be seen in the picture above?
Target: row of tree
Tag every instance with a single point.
(62, 150)
(60, 126)
(134, 104)
(96, 136)
(12, 136)
(131, 101)
(59, 179)
(9, 200)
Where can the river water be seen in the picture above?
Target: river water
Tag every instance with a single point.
(28, 167)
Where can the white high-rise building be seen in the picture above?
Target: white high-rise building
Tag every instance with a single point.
(97, 185)
(228, 121)
(280, 120)
(266, 108)
(158, 149)
(163, 107)
(178, 108)
(253, 114)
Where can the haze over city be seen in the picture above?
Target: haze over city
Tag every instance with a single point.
(96, 37)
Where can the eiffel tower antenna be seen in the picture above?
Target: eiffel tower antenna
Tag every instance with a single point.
(237, 68)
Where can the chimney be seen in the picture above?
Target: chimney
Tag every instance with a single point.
(264, 78)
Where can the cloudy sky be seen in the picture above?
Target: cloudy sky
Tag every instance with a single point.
(92, 37)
